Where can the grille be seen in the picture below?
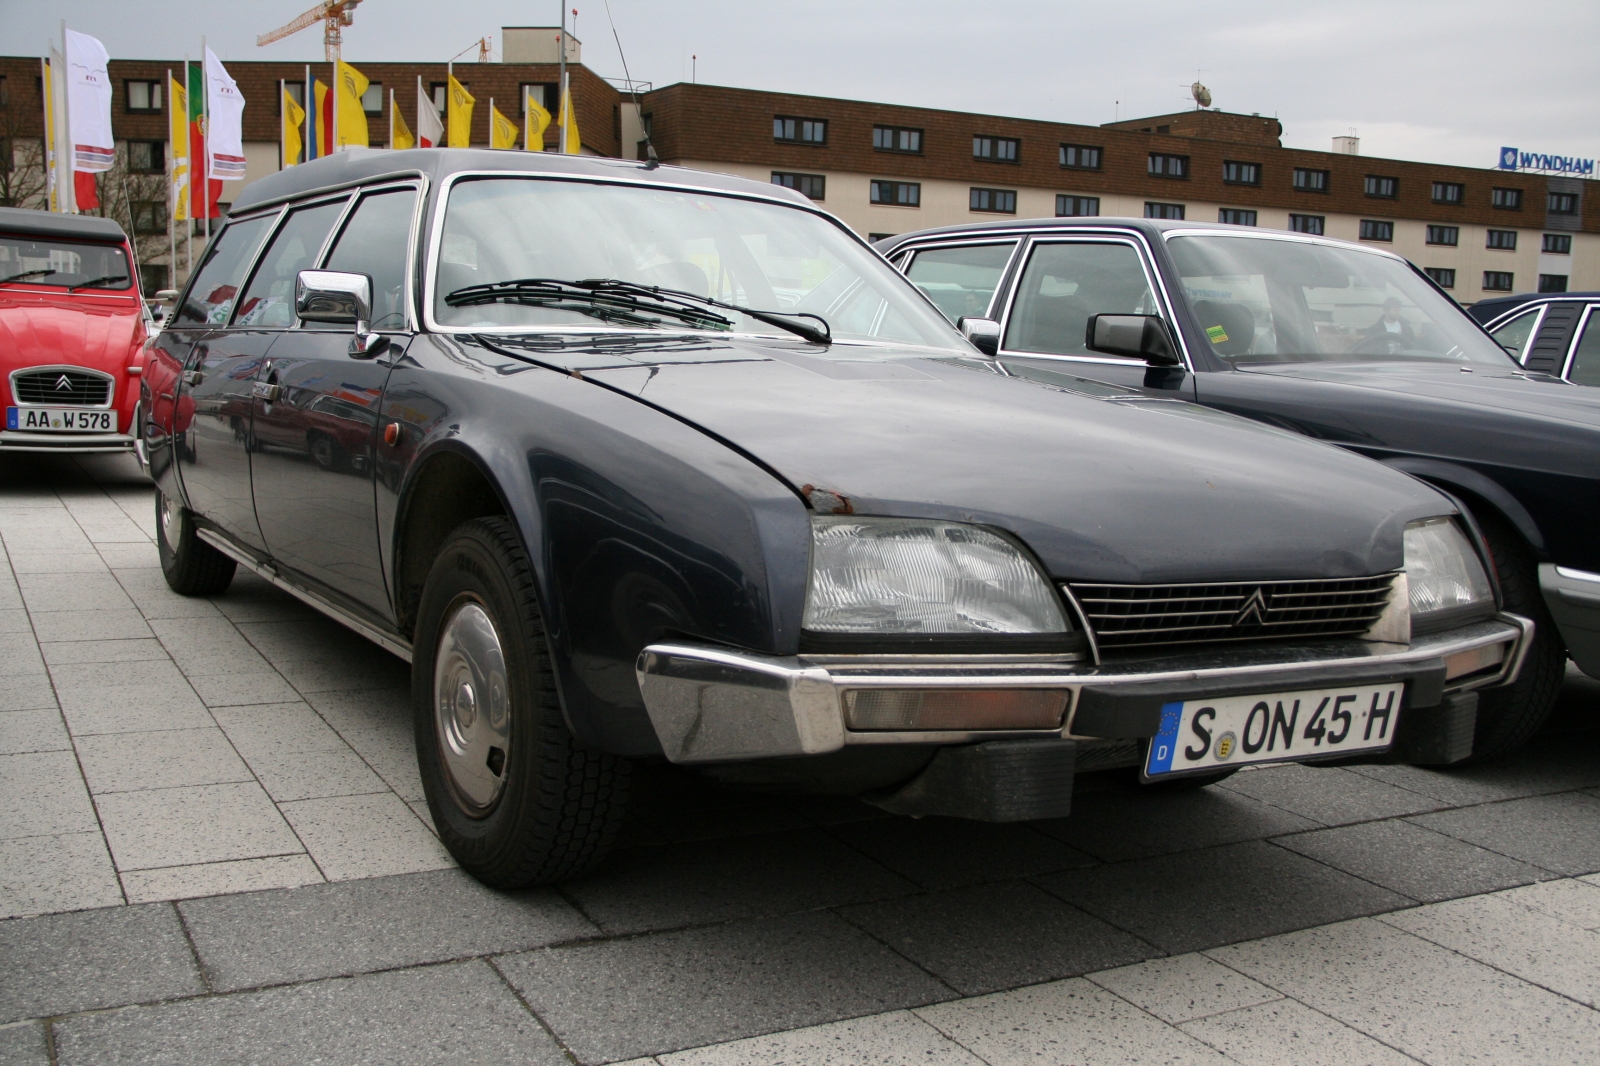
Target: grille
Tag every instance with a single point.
(82, 388)
(1131, 616)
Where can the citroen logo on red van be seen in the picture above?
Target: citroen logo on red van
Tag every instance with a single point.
(63, 382)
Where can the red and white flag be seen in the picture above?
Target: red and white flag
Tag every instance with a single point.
(430, 131)
(225, 118)
(89, 103)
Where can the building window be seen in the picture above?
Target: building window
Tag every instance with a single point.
(1552, 283)
(1557, 244)
(1077, 206)
(546, 94)
(1444, 277)
(1386, 188)
(1373, 230)
(800, 130)
(144, 97)
(896, 139)
(1497, 281)
(996, 149)
(808, 185)
(1307, 224)
(1080, 157)
(1236, 216)
(897, 193)
(1563, 203)
(1168, 211)
(1504, 239)
(1169, 166)
(1241, 173)
(147, 157)
(297, 93)
(1507, 199)
(1444, 235)
(1310, 180)
(439, 88)
(1448, 192)
(149, 216)
(1002, 201)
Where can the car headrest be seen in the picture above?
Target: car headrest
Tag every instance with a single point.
(1228, 325)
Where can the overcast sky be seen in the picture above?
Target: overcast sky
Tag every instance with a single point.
(1439, 82)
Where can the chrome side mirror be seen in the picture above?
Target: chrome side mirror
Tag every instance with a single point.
(984, 333)
(167, 297)
(340, 299)
(1141, 336)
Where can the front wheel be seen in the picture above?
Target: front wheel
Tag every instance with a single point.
(191, 566)
(515, 798)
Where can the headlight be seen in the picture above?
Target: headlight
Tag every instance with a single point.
(912, 576)
(1443, 571)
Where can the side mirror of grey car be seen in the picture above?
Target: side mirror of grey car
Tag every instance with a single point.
(984, 333)
(340, 299)
(1141, 336)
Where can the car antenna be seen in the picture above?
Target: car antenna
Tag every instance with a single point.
(633, 88)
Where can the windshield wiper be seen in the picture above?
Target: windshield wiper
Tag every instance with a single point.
(24, 274)
(96, 281)
(782, 319)
(585, 299)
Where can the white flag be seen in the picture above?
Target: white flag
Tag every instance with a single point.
(225, 122)
(430, 131)
(89, 103)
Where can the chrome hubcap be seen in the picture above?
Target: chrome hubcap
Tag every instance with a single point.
(166, 517)
(472, 707)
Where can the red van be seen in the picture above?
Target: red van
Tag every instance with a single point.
(72, 333)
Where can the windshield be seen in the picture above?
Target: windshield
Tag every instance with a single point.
(758, 255)
(46, 261)
(1261, 300)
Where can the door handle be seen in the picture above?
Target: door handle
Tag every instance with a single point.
(265, 392)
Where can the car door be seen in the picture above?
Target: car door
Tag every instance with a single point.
(1583, 358)
(961, 278)
(317, 416)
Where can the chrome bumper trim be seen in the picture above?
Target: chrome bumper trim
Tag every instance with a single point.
(16, 440)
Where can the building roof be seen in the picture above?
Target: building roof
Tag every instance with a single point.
(52, 224)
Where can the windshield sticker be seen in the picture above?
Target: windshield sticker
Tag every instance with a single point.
(1217, 334)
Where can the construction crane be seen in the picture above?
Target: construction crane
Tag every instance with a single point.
(331, 13)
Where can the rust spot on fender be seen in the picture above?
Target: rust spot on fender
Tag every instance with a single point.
(825, 502)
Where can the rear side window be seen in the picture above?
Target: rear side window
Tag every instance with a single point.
(1514, 335)
(1066, 283)
(212, 294)
(1585, 366)
(269, 301)
(374, 243)
(961, 281)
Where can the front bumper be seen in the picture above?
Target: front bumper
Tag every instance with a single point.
(1573, 597)
(710, 704)
(12, 440)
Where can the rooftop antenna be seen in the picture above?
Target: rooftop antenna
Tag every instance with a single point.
(633, 87)
(1202, 96)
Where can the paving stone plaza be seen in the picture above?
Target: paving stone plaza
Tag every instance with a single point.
(214, 849)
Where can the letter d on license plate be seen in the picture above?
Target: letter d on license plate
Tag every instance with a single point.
(1214, 734)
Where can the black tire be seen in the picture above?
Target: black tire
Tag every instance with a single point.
(1509, 717)
(555, 806)
(1191, 782)
(191, 566)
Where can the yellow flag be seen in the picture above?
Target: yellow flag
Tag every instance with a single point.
(538, 121)
(502, 133)
(403, 137)
(293, 115)
(458, 115)
(351, 124)
(569, 125)
(178, 137)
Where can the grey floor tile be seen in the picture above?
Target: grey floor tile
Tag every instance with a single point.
(73, 592)
(315, 774)
(72, 652)
(669, 992)
(1433, 1004)
(898, 1038)
(27, 694)
(989, 937)
(950, 852)
(169, 758)
(311, 676)
(125, 624)
(129, 556)
(28, 731)
(691, 884)
(23, 1045)
(1130, 824)
(1547, 765)
(296, 640)
(68, 872)
(1411, 860)
(1286, 1031)
(84, 560)
(1328, 795)
(1575, 901)
(127, 698)
(243, 689)
(1560, 833)
(149, 592)
(365, 836)
(42, 793)
(202, 823)
(277, 729)
(1181, 988)
(264, 938)
(219, 878)
(435, 1016)
(1064, 1022)
(63, 963)
(1219, 896)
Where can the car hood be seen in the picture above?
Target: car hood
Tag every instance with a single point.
(1100, 482)
(48, 330)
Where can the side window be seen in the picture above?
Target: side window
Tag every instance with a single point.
(1064, 284)
(217, 283)
(1514, 335)
(962, 280)
(269, 301)
(374, 243)
(1584, 369)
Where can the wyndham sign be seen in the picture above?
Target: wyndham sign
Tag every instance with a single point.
(1512, 159)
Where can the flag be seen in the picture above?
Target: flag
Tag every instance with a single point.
(458, 114)
(324, 110)
(204, 190)
(88, 115)
(178, 136)
(225, 108)
(502, 133)
(400, 136)
(53, 201)
(430, 131)
(538, 122)
(569, 124)
(293, 115)
(352, 116)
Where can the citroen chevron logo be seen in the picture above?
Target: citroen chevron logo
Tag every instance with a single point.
(1254, 611)
(63, 382)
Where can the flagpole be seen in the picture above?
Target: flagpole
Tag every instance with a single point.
(391, 118)
(333, 122)
(66, 151)
(283, 128)
(311, 117)
(188, 223)
(561, 105)
(527, 127)
(205, 129)
(419, 109)
(172, 185)
(491, 122)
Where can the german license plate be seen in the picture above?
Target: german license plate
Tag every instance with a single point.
(1213, 734)
(61, 420)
